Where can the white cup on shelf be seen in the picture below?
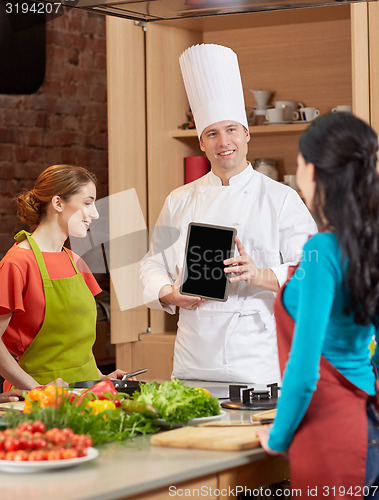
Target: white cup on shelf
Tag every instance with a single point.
(275, 115)
(343, 107)
(309, 114)
(290, 109)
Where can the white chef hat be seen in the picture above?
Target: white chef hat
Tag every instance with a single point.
(213, 84)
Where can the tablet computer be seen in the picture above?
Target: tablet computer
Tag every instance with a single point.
(207, 247)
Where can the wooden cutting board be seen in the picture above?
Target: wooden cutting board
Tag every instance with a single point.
(209, 438)
(14, 405)
(257, 417)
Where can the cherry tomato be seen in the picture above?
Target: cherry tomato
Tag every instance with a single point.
(12, 444)
(21, 456)
(54, 455)
(38, 443)
(25, 427)
(59, 438)
(9, 433)
(38, 426)
(70, 453)
(81, 441)
(117, 403)
(10, 455)
(67, 432)
(51, 432)
(82, 452)
(87, 441)
(26, 442)
(36, 456)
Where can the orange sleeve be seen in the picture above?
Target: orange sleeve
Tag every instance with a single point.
(86, 273)
(11, 288)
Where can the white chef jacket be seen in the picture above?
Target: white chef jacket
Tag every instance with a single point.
(232, 341)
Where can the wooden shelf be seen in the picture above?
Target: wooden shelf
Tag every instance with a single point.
(292, 128)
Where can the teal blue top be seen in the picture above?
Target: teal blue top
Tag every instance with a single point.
(314, 298)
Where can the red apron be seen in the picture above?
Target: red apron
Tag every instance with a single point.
(328, 452)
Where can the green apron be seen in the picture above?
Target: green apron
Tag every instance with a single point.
(63, 346)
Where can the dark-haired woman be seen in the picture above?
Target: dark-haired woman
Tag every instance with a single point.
(326, 315)
(47, 305)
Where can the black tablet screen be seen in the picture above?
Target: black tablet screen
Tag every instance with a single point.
(207, 248)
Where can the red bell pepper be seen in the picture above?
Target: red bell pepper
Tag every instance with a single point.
(101, 389)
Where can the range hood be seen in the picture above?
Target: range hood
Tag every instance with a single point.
(158, 10)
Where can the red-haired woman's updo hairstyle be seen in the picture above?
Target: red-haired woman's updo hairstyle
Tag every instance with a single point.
(58, 180)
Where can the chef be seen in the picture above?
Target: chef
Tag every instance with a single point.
(232, 341)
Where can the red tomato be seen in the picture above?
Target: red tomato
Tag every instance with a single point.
(36, 456)
(82, 452)
(59, 438)
(12, 444)
(87, 441)
(79, 441)
(51, 432)
(67, 432)
(21, 456)
(38, 426)
(9, 432)
(25, 427)
(70, 453)
(117, 403)
(54, 455)
(39, 443)
(26, 442)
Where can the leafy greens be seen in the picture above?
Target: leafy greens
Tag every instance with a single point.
(177, 402)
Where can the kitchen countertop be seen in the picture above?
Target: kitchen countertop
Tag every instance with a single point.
(128, 468)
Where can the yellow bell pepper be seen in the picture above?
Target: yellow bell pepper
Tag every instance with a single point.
(204, 391)
(100, 405)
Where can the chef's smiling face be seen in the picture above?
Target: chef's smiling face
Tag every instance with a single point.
(225, 144)
(80, 209)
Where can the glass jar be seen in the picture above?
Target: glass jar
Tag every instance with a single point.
(266, 166)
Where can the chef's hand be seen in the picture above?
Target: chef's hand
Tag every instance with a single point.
(263, 435)
(11, 395)
(245, 269)
(170, 295)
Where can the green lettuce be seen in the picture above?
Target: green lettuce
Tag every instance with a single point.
(177, 402)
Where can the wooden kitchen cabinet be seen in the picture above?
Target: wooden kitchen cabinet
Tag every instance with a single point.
(323, 57)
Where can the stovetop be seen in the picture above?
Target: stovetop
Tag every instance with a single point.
(242, 397)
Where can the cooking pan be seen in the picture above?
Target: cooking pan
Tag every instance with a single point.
(125, 386)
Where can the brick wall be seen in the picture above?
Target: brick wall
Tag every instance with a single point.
(65, 121)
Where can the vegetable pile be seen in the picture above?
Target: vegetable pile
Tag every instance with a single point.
(107, 415)
(95, 412)
(31, 442)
